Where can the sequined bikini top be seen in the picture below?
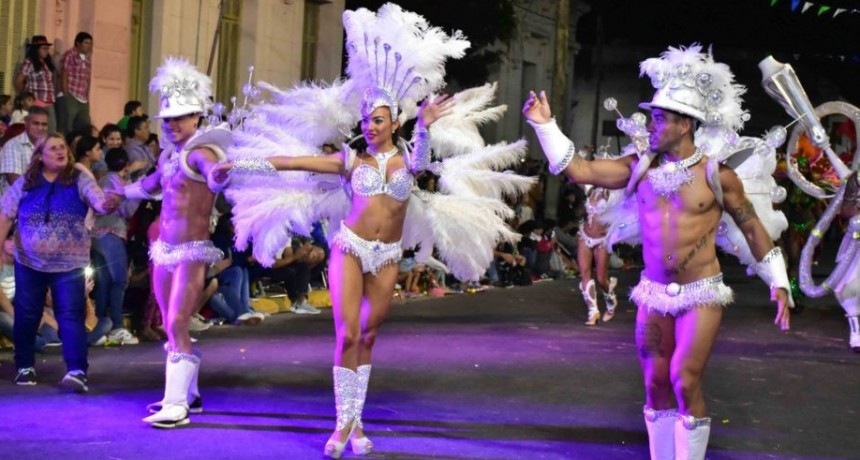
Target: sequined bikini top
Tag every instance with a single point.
(368, 181)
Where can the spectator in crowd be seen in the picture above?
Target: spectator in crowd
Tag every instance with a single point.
(154, 146)
(131, 109)
(17, 152)
(73, 105)
(234, 300)
(37, 77)
(5, 112)
(140, 156)
(293, 271)
(23, 101)
(49, 203)
(111, 137)
(110, 233)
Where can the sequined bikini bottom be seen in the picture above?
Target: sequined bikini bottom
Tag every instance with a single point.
(373, 255)
(169, 256)
(674, 299)
(591, 242)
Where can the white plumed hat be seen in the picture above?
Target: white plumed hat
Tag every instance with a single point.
(184, 89)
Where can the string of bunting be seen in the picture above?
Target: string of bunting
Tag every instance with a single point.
(821, 9)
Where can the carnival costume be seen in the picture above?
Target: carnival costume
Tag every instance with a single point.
(396, 59)
(689, 82)
(782, 84)
(598, 201)
(184, 91)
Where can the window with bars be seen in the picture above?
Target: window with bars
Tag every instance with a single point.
(17, 25)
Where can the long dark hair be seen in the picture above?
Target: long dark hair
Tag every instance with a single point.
(67, 177)
(33, 57)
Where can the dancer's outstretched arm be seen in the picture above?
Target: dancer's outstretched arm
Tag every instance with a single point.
(561, 153)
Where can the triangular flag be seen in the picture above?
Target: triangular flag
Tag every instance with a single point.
(838, 12)
(773, 2)
(823, 9)
(806, 6)
(794, 5)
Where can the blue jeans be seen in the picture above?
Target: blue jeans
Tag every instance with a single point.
(234, 286)
(67, 290)
(7, 327)
(111, 278)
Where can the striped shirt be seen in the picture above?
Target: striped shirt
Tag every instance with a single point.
(15, 157)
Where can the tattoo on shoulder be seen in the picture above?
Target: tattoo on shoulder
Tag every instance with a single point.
(648, 338)
(742, 213)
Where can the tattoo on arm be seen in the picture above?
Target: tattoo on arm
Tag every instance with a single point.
(742, 213)
(648, 338)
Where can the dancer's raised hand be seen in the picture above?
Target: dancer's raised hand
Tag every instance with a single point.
(536, 109)
(430, 111)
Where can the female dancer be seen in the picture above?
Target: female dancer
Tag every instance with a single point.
(592, 248)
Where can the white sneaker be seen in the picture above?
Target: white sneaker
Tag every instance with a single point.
(304, 308)
(250, 318)
(198, 324)
(123, 337)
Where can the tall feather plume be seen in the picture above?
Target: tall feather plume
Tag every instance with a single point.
(375, 40)
(457, 133)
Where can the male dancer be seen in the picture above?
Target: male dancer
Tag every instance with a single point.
(183, 250)
(681, 294)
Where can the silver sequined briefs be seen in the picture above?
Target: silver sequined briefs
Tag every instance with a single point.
(170, 256)
(373, 255)
(674, 299)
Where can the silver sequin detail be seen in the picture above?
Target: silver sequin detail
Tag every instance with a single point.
(255, 166)
(421, 154)
(652, 415)
(368, 181)
(363, 378)
(591, 242)
(771, 255)
(344, 395)
(170, 256)
(669, 177)
(674, 299)
(169, 169)
(175, 357)
(373, 255)
(568, 157)
(691, 422)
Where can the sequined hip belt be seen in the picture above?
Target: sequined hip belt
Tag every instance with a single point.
(674, 299)
(373, 255)
(170, 256)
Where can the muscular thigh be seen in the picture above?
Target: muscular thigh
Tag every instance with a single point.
(345, 285)
(695, 334)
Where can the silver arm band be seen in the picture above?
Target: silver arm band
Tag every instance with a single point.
(255, 166)
(559, 150)
(421, 155)
(135, 191)
(771, 269)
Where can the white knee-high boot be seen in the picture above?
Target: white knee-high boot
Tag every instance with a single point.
(661, 432)
(851, 305)
(345, 386)
(179, 371)
(589, 294)
(195, 402)
(363, 445)
(611, 299)
(691, 437)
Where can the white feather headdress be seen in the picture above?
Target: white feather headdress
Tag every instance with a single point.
(184, 89)
(396, 57)
(691, 82)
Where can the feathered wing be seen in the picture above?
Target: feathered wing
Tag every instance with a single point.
(269, 209)
(464, 230)
(621, 219)
(754, 163)
(457, 134)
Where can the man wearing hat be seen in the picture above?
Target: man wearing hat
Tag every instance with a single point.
(681, 195)
(37, 76)
(183, 251)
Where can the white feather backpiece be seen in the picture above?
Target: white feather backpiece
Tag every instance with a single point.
(457, 133)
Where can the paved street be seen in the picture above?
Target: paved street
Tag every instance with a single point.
(502, 374)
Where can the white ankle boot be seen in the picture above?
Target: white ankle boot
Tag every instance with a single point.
(661, 432)
(589, 294)
(691, 437)
(362, 445)
(179, 372)
(611, 299)
(854, 333)
(345, 386)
